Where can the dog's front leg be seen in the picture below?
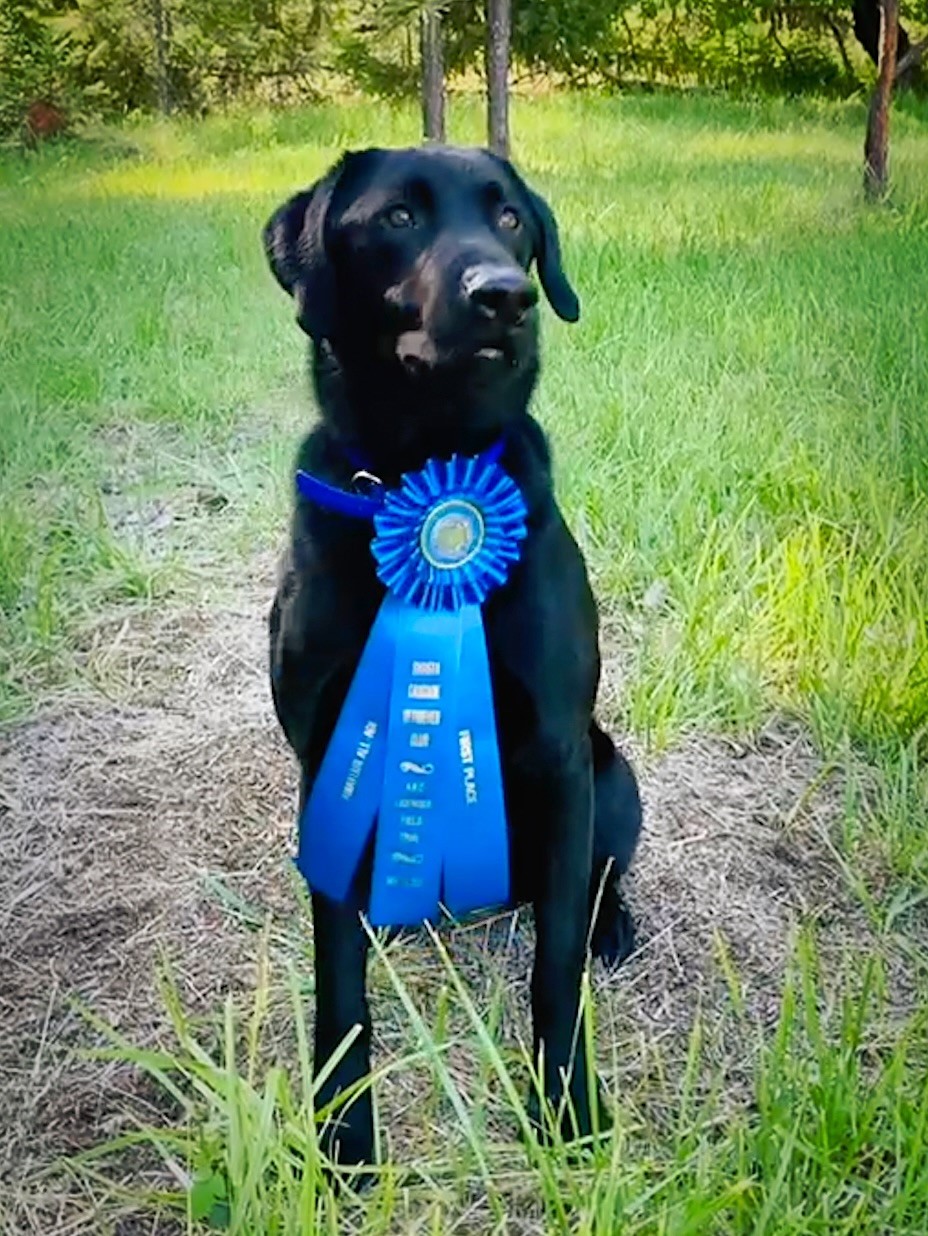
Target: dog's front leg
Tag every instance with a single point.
(564, 805)
(341, 947)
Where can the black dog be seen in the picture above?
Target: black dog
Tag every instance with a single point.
(408, 269)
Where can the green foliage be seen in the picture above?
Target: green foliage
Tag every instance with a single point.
(564, 36)
(759, 45)
(755, 45)
(380, 53)
(107, 53)
(116, 56)
(749, 45)
(378, 48)
(221, 50)
(211, 51)
(27, 63)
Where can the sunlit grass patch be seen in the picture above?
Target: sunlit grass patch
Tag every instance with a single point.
(867, 668)
(736, 420)
(749, 349)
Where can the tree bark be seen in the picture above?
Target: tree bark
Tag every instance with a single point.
(433, 74)
(876, 146)
(866, 14)
(499, 27)
(162, 71)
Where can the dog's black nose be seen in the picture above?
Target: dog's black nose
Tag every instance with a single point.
(499, 292)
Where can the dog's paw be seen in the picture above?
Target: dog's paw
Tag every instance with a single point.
(347, 1140)
(613, 936)
(573, 1119)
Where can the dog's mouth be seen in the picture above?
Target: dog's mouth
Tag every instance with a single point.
(419, 354)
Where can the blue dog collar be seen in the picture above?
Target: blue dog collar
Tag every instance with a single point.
(364, 505)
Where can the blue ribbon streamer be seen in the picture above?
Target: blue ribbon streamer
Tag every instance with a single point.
(476, 847)
(339, 814)
(418, 803)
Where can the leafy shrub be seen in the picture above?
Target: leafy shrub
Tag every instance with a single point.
(27, 63)
(115, 56)
(735, 44)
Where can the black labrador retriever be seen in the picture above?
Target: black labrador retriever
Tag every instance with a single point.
(409, 273)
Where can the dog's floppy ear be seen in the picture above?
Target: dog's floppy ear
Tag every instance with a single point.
(561, 296)
(547, 252)
(294, 241)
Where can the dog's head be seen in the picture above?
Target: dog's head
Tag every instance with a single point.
(418, 259)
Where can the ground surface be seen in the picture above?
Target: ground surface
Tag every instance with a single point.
(140, 828)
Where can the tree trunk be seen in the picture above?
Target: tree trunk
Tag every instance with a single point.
(499, 24)
(876, 146)
(866, 15)
(162, 84)
(433, 74)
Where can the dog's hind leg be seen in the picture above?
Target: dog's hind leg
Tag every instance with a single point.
(616, 827)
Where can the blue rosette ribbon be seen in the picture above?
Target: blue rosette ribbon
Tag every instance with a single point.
(414, 757)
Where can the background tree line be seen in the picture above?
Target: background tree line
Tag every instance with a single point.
(110, 57)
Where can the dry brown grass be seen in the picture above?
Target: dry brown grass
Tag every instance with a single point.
(117, 813)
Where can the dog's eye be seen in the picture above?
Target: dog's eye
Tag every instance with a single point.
(400, 216)
(508, 219)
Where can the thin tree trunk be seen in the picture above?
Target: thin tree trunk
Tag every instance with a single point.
(499, 25)
(433, 74)
(162, 84)
(876, 146)
(842, 50)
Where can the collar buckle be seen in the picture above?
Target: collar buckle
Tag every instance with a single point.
(366, 483)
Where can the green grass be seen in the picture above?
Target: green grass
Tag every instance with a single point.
(742, 449)
(833, 1141)
(738, 418)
